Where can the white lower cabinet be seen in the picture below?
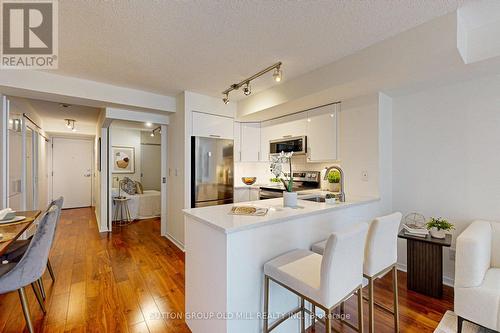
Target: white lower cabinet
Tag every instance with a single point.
(244, 194)
(254, 194)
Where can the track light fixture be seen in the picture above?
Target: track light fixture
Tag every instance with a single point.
(246, 89)
(70, 123)
(225, 99)
(277, 76)
(153, 132)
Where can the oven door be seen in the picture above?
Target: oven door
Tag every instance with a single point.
(270, 193)
(297, 145)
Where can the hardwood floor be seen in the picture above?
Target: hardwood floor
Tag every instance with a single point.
(132, 280)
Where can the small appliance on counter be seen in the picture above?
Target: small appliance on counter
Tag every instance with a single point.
(303, 180)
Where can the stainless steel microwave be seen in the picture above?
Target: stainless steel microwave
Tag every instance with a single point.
(296, 144)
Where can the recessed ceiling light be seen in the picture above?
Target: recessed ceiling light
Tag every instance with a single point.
(149, 124)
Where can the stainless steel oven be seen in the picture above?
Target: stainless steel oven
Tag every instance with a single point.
(303, 180)
(297, 145)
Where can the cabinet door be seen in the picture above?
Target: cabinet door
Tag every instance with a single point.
(237, 141)
(254, 194)
(250, 142)
(288, 126)
(322, 138)
(209, 125)
(266, 133)
(241, 195)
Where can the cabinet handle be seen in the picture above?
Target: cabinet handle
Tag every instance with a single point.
(214, 136)
(240, 156)
(287, 136)
(258, 156)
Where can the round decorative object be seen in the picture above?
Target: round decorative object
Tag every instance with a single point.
(414, 220)
(249, 180)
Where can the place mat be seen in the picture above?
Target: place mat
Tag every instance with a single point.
(248, 211)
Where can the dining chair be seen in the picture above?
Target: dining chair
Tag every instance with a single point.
(17, 249)
(29, 269)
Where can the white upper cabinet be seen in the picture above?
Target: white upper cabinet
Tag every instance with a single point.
(212, 126)
(288, 126)
(322, 134)
(250, 142)
(237, 141)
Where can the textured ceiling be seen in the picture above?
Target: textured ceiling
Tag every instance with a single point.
(204, 46)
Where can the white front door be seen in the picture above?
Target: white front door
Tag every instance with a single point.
(72, 171)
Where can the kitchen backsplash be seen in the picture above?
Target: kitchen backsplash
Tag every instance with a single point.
(261, 169)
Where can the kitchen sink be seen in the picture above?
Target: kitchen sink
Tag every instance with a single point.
(315, 199)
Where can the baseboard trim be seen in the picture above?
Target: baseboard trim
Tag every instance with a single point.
(447, 281)
(177, 243)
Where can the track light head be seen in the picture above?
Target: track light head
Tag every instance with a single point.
(278, 74)
(152, 134)
(225, 99)
(247, 90)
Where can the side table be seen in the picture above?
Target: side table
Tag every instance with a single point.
(122, 213)
(425, 263)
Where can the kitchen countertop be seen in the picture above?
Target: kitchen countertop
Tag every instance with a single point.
(218, 217)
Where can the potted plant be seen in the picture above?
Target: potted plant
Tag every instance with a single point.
(438, 227)
(277, 161)
(334, 181)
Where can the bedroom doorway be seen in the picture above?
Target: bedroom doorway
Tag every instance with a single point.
(135, 166)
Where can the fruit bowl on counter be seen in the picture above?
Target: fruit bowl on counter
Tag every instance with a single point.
(248, 180)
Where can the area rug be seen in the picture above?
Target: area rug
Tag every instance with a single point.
(448, 324)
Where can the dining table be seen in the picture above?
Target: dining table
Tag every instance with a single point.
(12, 231)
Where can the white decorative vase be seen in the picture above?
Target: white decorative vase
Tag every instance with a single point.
(290, 199)
(437, 233)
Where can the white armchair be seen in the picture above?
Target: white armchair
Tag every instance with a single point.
(477, 275)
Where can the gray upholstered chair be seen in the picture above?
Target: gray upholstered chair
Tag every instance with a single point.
(16, 276)
(16, 250)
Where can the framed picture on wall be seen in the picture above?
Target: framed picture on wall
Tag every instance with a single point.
(123, 159)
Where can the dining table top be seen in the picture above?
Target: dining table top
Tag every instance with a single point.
(12, 231)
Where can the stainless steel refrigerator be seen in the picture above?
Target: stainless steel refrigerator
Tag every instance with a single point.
(212, 166)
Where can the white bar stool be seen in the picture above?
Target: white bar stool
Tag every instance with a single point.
(381, 256)
(324, 281)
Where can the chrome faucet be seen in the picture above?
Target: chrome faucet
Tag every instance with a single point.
(342, 192)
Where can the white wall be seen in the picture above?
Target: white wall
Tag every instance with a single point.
(446, 154)
(126, 137)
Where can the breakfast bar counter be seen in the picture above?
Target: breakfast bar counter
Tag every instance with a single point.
(225, 255)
